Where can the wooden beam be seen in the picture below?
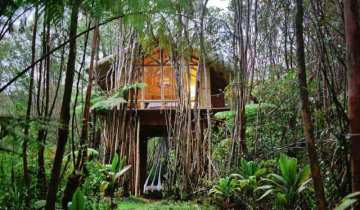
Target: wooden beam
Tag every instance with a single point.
(162, 79)
(143, 89)
(137, 171)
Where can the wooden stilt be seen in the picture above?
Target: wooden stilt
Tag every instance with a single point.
(137, 176)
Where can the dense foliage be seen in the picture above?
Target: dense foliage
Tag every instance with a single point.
(256, 155)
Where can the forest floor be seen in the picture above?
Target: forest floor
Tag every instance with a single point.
(132, 203)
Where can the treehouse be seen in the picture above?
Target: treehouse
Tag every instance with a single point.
(152, 109)
(162, 91)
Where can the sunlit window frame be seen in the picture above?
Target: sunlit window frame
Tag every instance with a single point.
(160, 64)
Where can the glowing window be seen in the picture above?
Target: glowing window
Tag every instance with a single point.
(152, 77)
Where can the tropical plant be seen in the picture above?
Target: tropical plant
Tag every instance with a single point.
(112, 173)
(224, 191)
(251, 168)
(78, 201)
(350, 200)
(117, 98)
(286, 188)
(15, 197)
(251, 111)
(94, 179)
(109, 103)
(250, 174)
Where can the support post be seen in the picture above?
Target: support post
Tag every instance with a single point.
(162, 79)
(137, 171)
(143, 81)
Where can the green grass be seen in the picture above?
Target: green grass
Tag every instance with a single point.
(144, 204)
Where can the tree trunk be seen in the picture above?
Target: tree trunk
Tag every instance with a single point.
(41, 165)
(28, 111)
(207, 96)
(352, 31)
(82, 157)
(305, 109)
(43, 132)
(197, 119)
(72, 184)
(41, 182)
(63, 130)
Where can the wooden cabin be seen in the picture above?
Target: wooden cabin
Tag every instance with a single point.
(161, 92)
(157, 102)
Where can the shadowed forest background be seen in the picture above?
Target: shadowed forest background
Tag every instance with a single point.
(177, 104)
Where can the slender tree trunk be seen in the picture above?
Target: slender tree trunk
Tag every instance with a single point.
(291, 39)
(41, 165)
(286, 11)
(241, 76)
(63, 130)
(253, 59)
(352, 30)
(41, 176)
(86, 114)
(207, 104)
(28, 111)
(42, 133)
(47, 85)
(197, 117)
(73, 181)
(38, 106)
(306, 111)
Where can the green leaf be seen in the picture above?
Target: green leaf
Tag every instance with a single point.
(114, 163)
(284, 166)
(310, 189)
(94, 100)
(104, 171)
(265, 194)
(351, 195)
(303, 186)
(121, 164)
(66, 158)
(303, 175)
(109, 103)
(236, 175)
(346, 204)
(103, 186)
(280, 198)
(292, 171)
(118, 174)
(288, 169)
(311, 201)
(139, 85)
(246, 167)
(272, 181)
(101, 166)
(39, 204)
(348, 201)
(78, 201)
(281, 179)
(260, 172)
(225, 115)
(265, 187)
(91, 151)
